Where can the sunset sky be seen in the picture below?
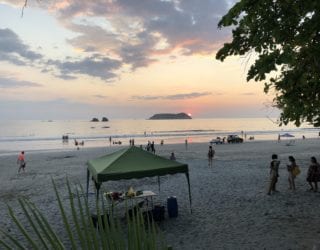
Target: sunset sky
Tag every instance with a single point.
(76, 59)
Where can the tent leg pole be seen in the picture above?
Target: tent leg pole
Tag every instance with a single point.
(88, 178)
(97, 185)
(159, 183)
(187, 175)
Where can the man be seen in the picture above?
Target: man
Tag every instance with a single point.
(274, 173)
(211, 153)
(21, 161)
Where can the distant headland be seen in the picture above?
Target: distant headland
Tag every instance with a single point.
(169, 116)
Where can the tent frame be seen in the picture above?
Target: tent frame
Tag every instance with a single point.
(98, 184)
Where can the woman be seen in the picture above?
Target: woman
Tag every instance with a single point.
(274, 173)
(291, 176)
(313, 174)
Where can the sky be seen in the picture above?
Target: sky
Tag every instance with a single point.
(77, 59)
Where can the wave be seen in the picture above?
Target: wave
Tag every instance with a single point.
(155, 134)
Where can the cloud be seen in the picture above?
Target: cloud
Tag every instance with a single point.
(14, 50)
(130, 33)
(137, 31)
(95, 66)
(8, 83)
(172, 97)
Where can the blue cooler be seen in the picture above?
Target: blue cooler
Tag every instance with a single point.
(172, 206)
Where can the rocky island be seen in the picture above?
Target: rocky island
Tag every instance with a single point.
(104, 119)
(169, 116)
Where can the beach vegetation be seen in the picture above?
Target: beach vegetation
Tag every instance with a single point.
(284, 39)
(80, 230)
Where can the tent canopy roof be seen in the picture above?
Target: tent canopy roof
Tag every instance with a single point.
(287, 135)
(132, 162)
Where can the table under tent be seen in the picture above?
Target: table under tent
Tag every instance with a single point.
(130, 163)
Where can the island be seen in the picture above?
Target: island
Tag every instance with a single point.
(94, 119)
(104, 119)
(169, 116)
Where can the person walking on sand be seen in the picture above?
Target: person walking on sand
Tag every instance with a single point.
(153, 149)
(313, 174)
(274, 173)
(21, 161)
(211, 153)
(291, 176)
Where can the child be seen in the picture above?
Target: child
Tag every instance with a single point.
(291, 176)
(172, 156)
(274, 173)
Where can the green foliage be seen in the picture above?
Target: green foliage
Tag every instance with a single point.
(79, 228)
(285, 34)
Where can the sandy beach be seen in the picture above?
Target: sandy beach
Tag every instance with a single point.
(230, 207)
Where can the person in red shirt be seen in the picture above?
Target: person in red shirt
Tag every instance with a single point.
(21, 161)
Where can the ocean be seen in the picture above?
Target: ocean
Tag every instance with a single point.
(47, 135)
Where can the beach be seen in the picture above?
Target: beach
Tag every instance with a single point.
(231, 208)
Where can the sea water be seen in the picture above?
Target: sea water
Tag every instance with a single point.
(47, 135)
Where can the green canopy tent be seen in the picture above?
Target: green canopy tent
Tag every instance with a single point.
(130, 163)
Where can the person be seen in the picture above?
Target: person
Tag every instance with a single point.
(274, 173)
(291, 176)
(21, 161)
(279, 138)
(172, 156)
(210, 155)
(303, 137)
(153, 149)
(186, 143)
(148, 147)
(313, 174)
